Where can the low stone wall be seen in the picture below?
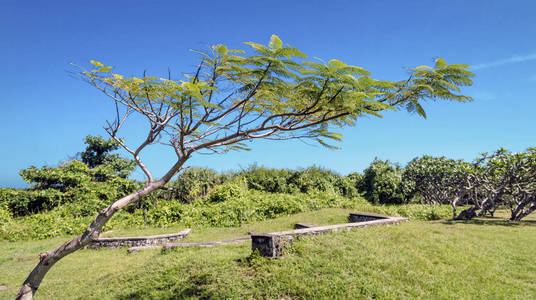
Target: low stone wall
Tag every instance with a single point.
(192, 244)
(268, 244)
(272, 244)
(363, 217)
(303, 225)
(137, 241)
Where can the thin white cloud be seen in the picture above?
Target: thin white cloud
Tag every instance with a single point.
(510, 60)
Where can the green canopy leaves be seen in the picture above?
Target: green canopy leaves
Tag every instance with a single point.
(275, 42)
(275, 91)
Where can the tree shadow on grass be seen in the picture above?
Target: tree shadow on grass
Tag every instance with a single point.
(494, 221)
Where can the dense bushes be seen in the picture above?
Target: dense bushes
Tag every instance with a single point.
(225, 192)
(382, 183)
(88, 185)
(5, 214)
(249, 207)
(26, 202)
(73, 182)
(198, 183)
(270, 180)
(194, 183)
(63, 199)
(59, 221)
(304, 181)
(252, 206)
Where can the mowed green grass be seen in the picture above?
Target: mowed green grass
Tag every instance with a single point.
(480, 259)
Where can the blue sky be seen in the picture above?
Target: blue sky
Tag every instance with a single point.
(46, 114)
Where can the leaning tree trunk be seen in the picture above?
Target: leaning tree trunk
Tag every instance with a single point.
(487, 205)
(467, 214)
(49, 258)
(520, 212)
(459, 196)
(515, 211)
(454, 208)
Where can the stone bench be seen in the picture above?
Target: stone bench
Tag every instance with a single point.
(117, 242)
(272, 244)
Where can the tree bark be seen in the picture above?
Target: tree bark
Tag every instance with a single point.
(459, 196)
(520, 212)
(486, 205)
(526, 213)
(467, 214)
(49, 258)
(454, 208)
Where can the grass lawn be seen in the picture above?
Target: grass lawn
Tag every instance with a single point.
(479, 259)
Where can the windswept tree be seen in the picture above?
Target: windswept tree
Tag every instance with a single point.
(505, 179)
(522, 197)
(233, 98)
(500, 179)
(439, 180)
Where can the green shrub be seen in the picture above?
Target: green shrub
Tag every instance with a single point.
(304, 181)
(316, 179)
(25, 202)
(91, 184)
(44, 225)
(346, 186)
(250, 206)
(90, 197)
(225, 192)
(382, 183)
(5, 216)
(193, 184)
(269, 180)
(412, 211)
(89, 190)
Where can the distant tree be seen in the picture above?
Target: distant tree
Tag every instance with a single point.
(315, 178)
(522, 197)
(304, 180)
(356, 179)
(505, 179)
(439, 180)
(92, 184)
(98, 153)
(233, 98)
(499, 179)
(382, 183)
(270, 180)
(194, 183)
